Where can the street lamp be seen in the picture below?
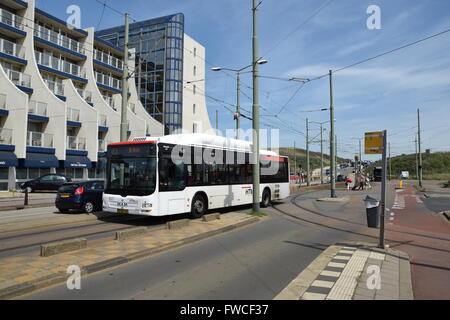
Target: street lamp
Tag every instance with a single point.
(360, 153)
(238, 90)
(321, 147)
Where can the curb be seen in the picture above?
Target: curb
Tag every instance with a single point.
(445, 215)
(56, 278)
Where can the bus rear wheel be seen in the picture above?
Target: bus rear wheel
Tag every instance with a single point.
(266, 199)
(199, 207)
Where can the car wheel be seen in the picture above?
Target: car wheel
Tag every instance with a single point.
(63, 210)
(88, 207)
(265, 199)
(199, 207)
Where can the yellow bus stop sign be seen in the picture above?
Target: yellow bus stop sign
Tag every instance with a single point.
(374, 143)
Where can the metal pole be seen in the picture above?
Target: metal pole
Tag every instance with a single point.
(420, 149)
(256, 166)
(390, 162)
(417, 159)
(124, 121)
(295, 161)
(383, 191)
(308, 179)
(321, 153)
(238, 105)
(335, 155)
(217, 121)
(332, 150)
(360, 157)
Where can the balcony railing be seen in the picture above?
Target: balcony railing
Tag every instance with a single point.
(86, 95)
(2, 101)
(55, 87)
(73, 115)
(110, 101)
(6, 136)
(37, 108)
(53, 62)
(108, 80)
(19, 78)
(102, 145)
(75, 143)
(57, 38)
(39, 139)
(11, 19)
(108, 59)
(103, 121)
(11, 48)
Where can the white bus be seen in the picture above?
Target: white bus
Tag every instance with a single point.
(211, 172)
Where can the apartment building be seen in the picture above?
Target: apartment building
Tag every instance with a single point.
(60, 97)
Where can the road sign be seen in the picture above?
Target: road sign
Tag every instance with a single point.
(374, 143)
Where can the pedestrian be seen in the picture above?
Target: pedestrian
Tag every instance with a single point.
(362, 182)
(368, 183)
(348, 181)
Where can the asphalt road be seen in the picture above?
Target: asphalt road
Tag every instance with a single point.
(255, 262)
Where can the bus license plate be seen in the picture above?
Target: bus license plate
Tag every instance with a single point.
(122, 211)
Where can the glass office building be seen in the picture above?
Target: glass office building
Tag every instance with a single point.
(159, 45)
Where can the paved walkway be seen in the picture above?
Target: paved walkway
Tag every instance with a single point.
(353, 271)
(25, 273)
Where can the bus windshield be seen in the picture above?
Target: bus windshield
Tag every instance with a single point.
(131, 176)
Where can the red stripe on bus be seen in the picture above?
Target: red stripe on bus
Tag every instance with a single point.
(273, 158)
(129, 142)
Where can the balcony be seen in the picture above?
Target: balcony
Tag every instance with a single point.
(18, 78)
(102, 145)
(110, 101)
(75, 143)
(11, 19)
(68, 68)
(103, 122)
(58, 39)
(108, 81)
(108, 59)
(56, 87)
(12, 49)
(37, 108)
(39, 139)
(86, 95)
(73, 115)
(6, 136)
(2, 101)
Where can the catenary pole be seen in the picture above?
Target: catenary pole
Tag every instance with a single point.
(256, 165)
(420, 148)
(308, 181)
(124, 121)
(332, 149)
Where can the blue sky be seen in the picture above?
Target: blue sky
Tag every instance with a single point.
(381, 94)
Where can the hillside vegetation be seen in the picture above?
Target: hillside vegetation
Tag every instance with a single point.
(436, 166)
(301, 158)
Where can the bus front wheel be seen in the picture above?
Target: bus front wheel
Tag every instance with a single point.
(266, 199)
(199, 206)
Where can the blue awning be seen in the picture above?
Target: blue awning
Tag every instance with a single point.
(8, 159)
(41, 160)
(77, 162)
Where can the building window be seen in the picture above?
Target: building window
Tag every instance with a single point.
(193, 108)
(194, 128)
(195, 71)
(195, 89)
(195, 52)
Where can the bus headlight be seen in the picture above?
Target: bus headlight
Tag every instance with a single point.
(147, 205)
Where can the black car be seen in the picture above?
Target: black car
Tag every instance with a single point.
(341, 178)
(47, 182)
(85, 196)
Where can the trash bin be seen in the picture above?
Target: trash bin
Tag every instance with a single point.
(372, 211)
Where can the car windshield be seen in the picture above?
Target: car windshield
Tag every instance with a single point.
(131, 176)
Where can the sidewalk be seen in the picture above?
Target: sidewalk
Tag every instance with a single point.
(24, 273)
(15, 200)
(350, 272)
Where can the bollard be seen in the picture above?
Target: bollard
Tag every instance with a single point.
(25, 202)
(401, 184)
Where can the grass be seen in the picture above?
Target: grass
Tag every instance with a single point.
(314, 158)
(259, 214)
(436, 166)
